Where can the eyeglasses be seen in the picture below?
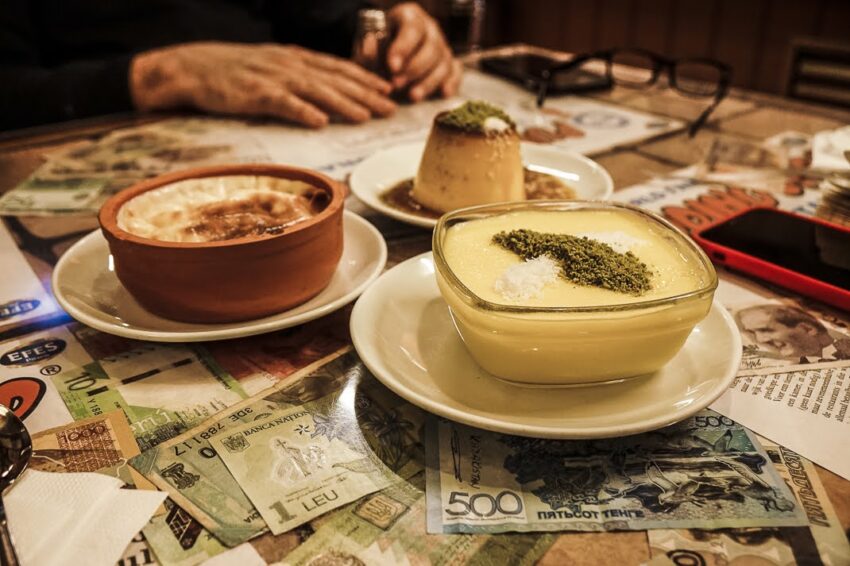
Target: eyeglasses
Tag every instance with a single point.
(639, 68)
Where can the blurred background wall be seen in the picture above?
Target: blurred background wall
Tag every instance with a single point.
(755, 37)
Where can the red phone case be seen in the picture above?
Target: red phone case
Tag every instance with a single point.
(803, 284)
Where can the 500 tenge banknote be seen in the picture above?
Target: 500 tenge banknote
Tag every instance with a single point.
(705, 472)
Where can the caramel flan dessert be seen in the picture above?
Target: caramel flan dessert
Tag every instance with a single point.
(472, 157)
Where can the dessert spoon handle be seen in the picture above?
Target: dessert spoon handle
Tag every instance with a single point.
(8, 557)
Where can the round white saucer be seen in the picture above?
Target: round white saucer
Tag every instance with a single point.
(384, 169)
(86, 286)
(403, 333)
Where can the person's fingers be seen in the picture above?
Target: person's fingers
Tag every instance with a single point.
(323, 94)
(374, 101)
(452, 84)
(324, 82)
(279, 103)
(258, 94)
(432, 81)
(426, 58)
(411, 33)
(348, 69)
(252, 95)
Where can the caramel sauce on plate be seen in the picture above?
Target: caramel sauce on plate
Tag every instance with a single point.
(538, 186)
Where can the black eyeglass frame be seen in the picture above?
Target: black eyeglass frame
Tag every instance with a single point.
(659, 65)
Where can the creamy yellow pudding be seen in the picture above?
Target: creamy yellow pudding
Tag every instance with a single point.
(614, 293)
(481, 264)
(472, 157)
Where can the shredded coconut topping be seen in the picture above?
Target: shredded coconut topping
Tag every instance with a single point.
(526, 280)
(620, 241)
(495, 125)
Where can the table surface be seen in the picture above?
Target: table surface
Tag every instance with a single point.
(743, 116)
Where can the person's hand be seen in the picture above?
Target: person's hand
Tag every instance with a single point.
(419, 57)
(282, 81)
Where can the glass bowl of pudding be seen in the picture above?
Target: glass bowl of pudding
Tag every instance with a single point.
(562, 293)
(226, 243)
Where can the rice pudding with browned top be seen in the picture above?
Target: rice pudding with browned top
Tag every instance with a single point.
(220, 208)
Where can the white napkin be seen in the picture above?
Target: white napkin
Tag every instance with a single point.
(828, 149)
(75, 518)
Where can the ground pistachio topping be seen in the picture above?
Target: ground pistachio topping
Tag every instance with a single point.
(470, 116)
(583, 261)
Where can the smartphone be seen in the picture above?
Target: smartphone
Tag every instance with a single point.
(527, 69)
(801, 253)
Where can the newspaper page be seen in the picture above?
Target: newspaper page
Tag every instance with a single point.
(794, 382)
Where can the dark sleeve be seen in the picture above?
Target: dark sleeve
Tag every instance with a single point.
(32, 93)
(322, 25)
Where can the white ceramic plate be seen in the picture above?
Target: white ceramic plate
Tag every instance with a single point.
(402, 332)
(375, 174)
(89, 290)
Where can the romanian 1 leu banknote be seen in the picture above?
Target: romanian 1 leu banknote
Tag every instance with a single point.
(705, 472)
(189, 468)
(821, 542)
(304, 461)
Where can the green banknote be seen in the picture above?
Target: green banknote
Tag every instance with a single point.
(44, 196)
(189, 468)
(178, 540)
(705, 472)
(137, 553)
(163, 390)
(388, 528)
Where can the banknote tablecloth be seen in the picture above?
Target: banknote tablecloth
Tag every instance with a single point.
(286, 443)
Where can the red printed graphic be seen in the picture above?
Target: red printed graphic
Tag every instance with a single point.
(715, 205)
(22, 395)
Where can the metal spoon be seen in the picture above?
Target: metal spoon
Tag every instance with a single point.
(15, 452)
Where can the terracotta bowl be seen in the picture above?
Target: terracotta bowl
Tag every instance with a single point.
(230, 280)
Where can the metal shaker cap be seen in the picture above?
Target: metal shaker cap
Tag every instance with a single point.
(372, 20)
